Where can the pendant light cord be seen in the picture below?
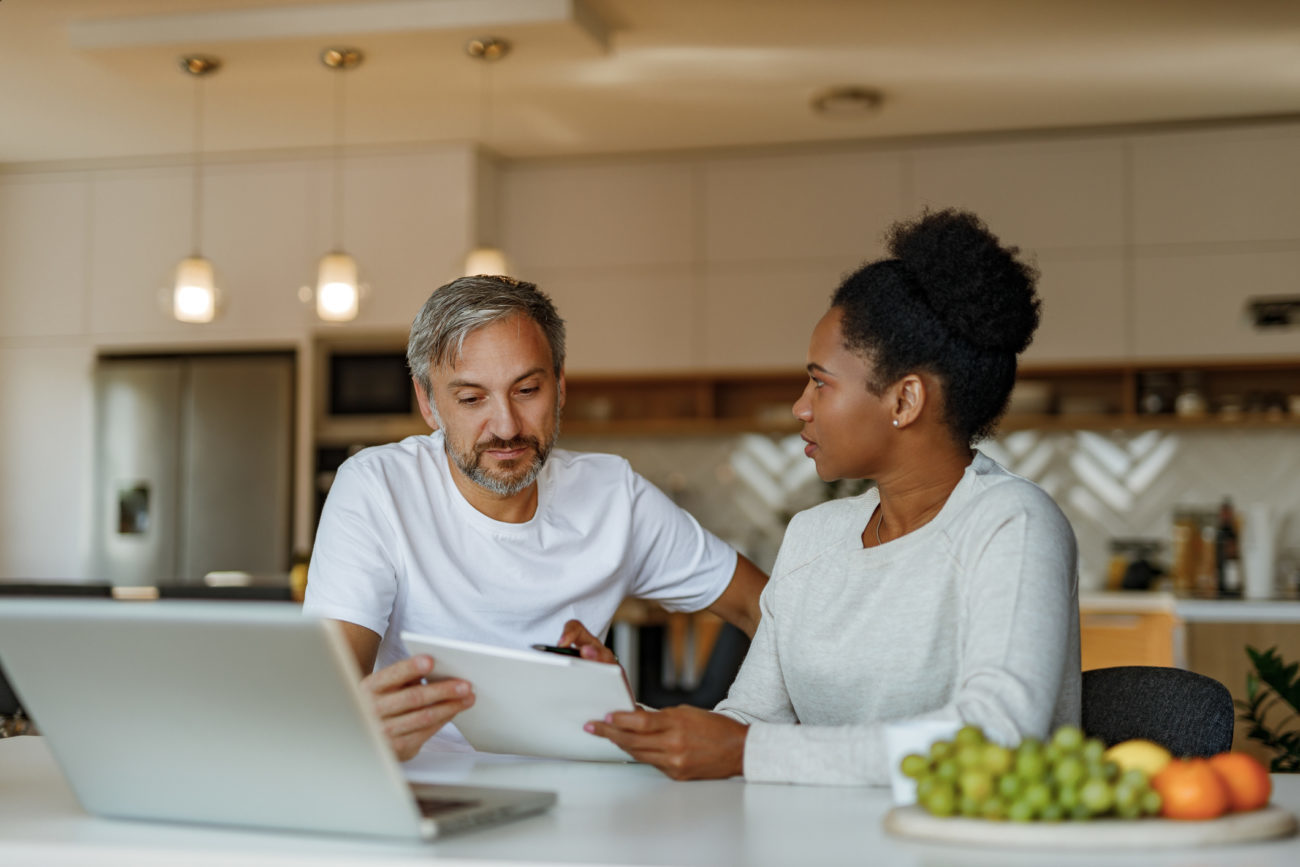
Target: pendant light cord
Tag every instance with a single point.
(340, 111)
(196, 197)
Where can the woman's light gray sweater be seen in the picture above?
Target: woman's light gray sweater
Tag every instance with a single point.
(972, 617)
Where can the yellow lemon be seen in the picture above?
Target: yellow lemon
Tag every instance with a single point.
(1148, 757)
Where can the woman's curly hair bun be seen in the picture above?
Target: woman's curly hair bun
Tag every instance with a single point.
(976, 287)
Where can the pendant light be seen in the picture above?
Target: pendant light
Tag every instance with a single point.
(486, 259)
(338, 294)
(194, 295)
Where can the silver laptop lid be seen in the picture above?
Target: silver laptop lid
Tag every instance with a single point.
(215, 712)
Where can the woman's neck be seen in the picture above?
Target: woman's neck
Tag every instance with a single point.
(911, 497)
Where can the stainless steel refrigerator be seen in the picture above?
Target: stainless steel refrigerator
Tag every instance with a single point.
(193, 467)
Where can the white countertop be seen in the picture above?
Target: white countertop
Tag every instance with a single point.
(1193, 610)
(607, 814)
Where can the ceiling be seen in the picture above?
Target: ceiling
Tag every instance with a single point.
(91, 79)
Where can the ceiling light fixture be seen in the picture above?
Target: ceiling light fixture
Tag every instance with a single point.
(847, 101)
(486, 258)
(338, 294)
(194, 295)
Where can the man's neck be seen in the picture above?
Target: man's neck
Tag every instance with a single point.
(512, 509)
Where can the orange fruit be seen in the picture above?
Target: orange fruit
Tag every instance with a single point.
(1190, 789)
(1247, 780)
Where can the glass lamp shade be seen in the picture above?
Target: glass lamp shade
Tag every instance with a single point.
(486, 261)
(195, 297)
(337, 296)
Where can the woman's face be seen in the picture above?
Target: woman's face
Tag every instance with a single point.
(844, 424)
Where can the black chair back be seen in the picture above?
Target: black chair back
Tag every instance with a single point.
(1187, 713)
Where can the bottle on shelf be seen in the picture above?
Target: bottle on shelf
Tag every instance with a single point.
(1227, 551)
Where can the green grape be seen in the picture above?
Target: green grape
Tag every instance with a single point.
(1068, 798)
(1038, 795)
(947, 770)
(1069, 771)
(1030, 745)
(941, 800)
(924, 786)
(1151, 802)
(1010, 786)
(970, 756)
(1079, 813)
(1031, 765)
(1110, 771)
(1020, 811)
(1127, 797)
(969, 736)
(940, 750)
(976, 784)
(994, 809)
(1092, 751)
(1129, 811)
(1097, 796)
(1052, 754)
(1068, 738)
(997, 759)
(1136, 778)
(914, 766)
(1052, 813)
(968, 806)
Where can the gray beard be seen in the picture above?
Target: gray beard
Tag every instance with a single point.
(469, 464)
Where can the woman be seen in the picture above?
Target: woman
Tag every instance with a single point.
(946, 592)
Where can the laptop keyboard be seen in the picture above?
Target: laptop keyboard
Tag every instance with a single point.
(431, 808)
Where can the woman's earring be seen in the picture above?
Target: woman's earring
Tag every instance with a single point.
(895, 422)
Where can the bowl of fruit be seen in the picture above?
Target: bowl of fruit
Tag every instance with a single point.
(1074, 791)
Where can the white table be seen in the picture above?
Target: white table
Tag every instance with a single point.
(607, 814)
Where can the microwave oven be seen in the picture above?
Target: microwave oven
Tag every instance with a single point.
(369, 383)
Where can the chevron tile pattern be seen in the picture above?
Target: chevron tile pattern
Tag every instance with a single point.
(1110, 485)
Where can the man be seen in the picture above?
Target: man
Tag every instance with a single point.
(480, 531)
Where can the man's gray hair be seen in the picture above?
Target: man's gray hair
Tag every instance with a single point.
(466, 304)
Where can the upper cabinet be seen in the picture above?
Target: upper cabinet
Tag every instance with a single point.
(1216, 221)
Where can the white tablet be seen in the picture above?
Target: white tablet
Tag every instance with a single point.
(530, 702)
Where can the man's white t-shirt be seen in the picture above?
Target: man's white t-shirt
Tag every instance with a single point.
(399, 548)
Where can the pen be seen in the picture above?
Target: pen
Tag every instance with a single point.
(563, 651)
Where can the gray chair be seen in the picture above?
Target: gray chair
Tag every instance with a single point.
(1187, 713)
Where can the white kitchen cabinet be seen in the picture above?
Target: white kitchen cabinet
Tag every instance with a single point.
(46, 433)
(1084, 314)
(1034, 195)
(43, 272)
(599, 215)
(761, 316)
(1189, 304)
(623, 319)
(799, 207)
(408, 225)
(1239, 185)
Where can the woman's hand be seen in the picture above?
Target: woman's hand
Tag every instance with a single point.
(589, 646)
(686, 743)
(410, 710)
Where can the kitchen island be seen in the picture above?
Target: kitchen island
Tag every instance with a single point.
(606, 814)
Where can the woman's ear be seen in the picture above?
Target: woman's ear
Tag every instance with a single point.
(910, 395)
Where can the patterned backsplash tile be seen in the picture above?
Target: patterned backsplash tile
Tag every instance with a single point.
(1110, 485)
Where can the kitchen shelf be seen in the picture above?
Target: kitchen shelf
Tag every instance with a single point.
(1238, 395)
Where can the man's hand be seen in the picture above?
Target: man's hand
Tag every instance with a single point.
(411, 711)
(686, 743)
(589, 646)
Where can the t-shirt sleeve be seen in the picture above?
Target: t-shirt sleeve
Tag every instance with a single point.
(674, 560)
(1016, 622)
(352, 575)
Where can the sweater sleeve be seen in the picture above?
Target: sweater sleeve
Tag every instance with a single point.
(1019, 589)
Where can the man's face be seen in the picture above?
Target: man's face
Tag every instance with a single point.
(498, 406)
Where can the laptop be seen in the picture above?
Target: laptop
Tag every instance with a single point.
(226, 713)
